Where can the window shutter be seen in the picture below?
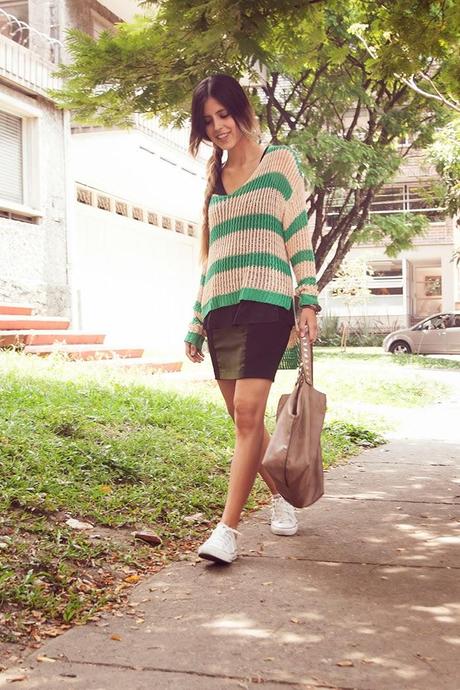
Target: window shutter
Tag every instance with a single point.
(11, 183)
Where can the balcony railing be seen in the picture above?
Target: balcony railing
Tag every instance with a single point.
(401, 198)
(19, 31)
(25, 68)
(28, 57)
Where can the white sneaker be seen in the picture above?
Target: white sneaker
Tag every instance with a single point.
(221, 545)
(283, 517)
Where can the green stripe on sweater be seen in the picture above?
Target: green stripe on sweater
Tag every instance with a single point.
(251, 221)
(195, 339)
(307, 299)
(296, 225)
(230, 298)
(236, 261)
(271, 180)
(303, 255)
(311, 280)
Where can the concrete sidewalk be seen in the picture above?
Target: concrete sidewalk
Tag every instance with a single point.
(366, 596)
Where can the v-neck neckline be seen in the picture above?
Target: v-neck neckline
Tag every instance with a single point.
(247, 181)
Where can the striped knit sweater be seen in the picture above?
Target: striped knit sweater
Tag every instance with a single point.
(256, 234)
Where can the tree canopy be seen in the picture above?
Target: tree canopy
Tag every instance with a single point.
(342, 81)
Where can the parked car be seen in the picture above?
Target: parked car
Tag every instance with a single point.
(438, 334)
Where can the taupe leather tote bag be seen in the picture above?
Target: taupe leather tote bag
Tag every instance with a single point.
(293, 457)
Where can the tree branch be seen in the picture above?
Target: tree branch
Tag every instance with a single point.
(438, 96)
(410, 82)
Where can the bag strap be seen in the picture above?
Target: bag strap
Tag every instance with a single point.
(305, 351)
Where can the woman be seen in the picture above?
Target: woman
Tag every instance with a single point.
(254, 228)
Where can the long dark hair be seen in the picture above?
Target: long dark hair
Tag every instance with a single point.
(230, 93)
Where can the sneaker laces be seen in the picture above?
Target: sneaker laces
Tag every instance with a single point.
(282, 511)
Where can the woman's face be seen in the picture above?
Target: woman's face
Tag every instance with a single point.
(221, 129)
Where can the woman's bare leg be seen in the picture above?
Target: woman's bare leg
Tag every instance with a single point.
(227, 388)
(250, 400)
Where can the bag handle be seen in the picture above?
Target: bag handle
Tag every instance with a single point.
(306, 353)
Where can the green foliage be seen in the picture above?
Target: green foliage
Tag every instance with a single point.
(359, 334)
(332, 161)
(69, 440)
(395, 230)
(329, 331)
(152, 64)
(351, 435)
(445, 154)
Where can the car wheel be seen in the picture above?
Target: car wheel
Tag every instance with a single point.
(400, 347)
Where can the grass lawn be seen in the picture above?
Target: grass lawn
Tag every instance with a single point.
(126, 452)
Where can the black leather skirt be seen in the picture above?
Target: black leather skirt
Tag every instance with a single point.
(247, 340)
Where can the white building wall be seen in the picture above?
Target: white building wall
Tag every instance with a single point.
(136, 282)
(143, 169)
(33, 255)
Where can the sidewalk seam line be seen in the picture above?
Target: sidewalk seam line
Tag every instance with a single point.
(390, 500)
(129, 667)
(371, 563)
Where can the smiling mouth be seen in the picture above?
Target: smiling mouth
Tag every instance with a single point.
(223, 136)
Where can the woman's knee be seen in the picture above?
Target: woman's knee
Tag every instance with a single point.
(247, 415)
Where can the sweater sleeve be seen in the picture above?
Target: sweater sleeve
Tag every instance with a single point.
(297, 238)
(196, 333)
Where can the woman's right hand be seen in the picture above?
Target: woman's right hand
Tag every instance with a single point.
(193, 353)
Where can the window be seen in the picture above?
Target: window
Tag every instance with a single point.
(14, 15)
(387, 291)
(413, 198)
(389, 200)
(385, 278)
(403, 198)
(11, 160)
(436, 322)
(19, 159)
(454, 321)
(385, 270)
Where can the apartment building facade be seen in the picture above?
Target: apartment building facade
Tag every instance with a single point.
(33, 164)
(98, 224)
(418, 282)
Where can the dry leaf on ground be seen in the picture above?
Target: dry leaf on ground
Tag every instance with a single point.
(148, 537)
(132, 579)
(77, 524)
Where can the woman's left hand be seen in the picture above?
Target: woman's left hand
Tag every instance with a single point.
(307, 321)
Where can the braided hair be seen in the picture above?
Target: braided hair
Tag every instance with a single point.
(229, 92)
